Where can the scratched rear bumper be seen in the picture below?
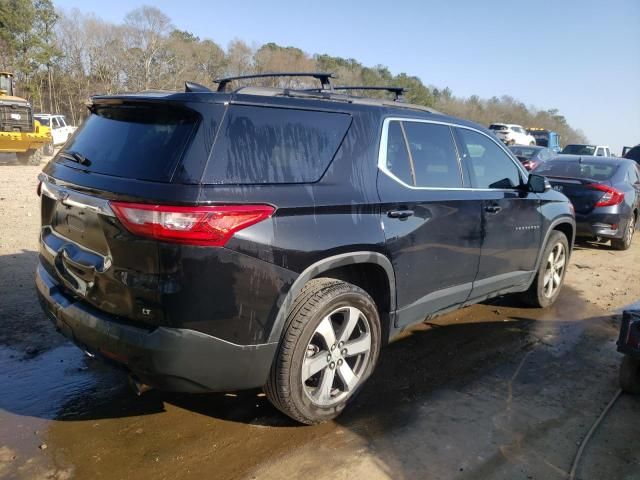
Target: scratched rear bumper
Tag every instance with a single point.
(171, 359)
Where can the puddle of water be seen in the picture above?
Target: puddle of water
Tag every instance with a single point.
(45, 385)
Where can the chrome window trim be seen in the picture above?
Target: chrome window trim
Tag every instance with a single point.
(382, 155)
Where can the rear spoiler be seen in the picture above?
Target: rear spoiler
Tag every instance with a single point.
(575, 181)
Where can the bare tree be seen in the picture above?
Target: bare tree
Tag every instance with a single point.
(145, 32)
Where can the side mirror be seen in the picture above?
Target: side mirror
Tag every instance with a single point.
(538, 183)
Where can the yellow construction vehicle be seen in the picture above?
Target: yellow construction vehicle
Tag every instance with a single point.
(19, 132)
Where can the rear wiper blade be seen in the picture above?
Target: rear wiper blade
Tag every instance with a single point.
(75, 157)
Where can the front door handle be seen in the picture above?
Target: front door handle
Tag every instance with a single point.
(492, 208)
(400, 213)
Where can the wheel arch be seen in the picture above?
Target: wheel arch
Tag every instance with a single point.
(565, 225)
(356, 267)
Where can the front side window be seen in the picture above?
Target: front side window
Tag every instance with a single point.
(422, 155)
(489, 165)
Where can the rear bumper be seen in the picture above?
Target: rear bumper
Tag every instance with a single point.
(171, 359)
(601, 225)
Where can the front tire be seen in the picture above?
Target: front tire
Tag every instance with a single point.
(625, 242)
(630, 375)
(546, 286)
(330, 346)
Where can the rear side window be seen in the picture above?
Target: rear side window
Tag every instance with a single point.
(274, 145)
(397, 155)
(142, 142)
(434, 156)
(422, 155)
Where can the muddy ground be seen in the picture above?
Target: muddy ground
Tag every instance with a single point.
(492, 391)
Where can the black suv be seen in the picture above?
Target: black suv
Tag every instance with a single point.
(278, 238)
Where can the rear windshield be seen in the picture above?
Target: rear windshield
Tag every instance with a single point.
(574, 169)
(43, 120)
(142, 142)
(498, 127)
(274, 145)
(579, 149)
(526, 152)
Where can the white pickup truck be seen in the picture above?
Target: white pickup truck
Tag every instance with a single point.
(60, 131)
(587, 150)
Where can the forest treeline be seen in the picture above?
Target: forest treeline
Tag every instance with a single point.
(61, 58)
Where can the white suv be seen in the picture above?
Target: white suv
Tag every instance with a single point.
(512, 134)
(60, 131)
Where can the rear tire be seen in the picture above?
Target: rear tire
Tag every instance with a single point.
(547, 284)
(48, 149)
(630, 375)
(625, 242)
(329, 348)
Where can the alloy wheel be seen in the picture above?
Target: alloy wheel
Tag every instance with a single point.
(554, 271)
(630, 230)
(337, 356)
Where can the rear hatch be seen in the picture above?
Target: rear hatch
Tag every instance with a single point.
(120, 152)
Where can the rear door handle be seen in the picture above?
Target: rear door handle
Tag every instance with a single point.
(492, 208)
(400, 213)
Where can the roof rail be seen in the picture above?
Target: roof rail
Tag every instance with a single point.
(322, 76)
(397, 91)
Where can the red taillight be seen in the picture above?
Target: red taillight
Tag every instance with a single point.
(203, 225)
(611, 196)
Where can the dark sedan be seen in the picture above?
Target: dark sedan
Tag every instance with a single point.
(605, 193)
(633, 154)
(531, 157)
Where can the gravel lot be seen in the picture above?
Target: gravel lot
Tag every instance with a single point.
(492, 391)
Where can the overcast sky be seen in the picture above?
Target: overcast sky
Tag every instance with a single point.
(580, 56)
